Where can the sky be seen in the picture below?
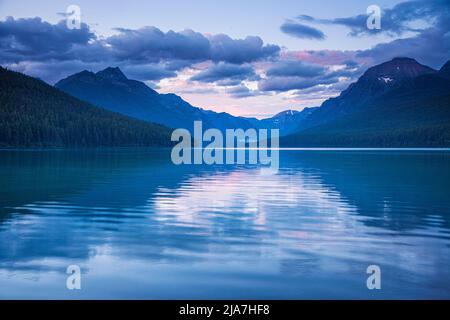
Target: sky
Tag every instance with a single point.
(248, 58)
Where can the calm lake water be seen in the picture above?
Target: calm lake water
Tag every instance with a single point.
(140, 227)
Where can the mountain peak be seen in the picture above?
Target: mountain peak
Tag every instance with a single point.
(84, 75)
(112, 73)
(85, 72)
(404, 60)
(375, 82)
(286, 113)
(398, 68)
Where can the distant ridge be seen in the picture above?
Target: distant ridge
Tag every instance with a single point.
(287, 121)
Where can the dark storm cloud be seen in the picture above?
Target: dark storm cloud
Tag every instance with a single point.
(302, 31)
(226, 72)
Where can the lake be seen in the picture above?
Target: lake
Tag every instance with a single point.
(140, 227)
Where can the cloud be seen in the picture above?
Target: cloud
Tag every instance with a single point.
(431, 46)
(152, 44)
(295, 68)
(280, 84)
(287, 75)
(149, 44)
(242, 91)
(226, 74)
(203, 90)
(153, 85)
(323, 57)
(424, 25)
(395, 21)
(250, 49)
(350, 63)
(317, 94)
(34, 39)
(148, 53)
(302, 31)
(51, 51)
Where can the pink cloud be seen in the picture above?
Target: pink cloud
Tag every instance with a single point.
(325, 57)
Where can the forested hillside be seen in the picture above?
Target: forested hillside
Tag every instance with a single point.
(34, 114)
(421, 123)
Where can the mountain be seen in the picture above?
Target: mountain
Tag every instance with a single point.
(375, 82)
(397, 103)
(410, 110)
(112, 90)
(287, 121)
(35, 114)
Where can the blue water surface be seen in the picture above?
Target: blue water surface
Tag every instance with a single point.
(140, 227)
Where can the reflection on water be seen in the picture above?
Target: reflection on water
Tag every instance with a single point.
(141, 227)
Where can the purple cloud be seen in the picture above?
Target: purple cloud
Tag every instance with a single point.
(148, 52)
(280, 84)
(301, 31)
(241, 91)
(226, 74)
(295, 68)
(34, 39)
(250, 49)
